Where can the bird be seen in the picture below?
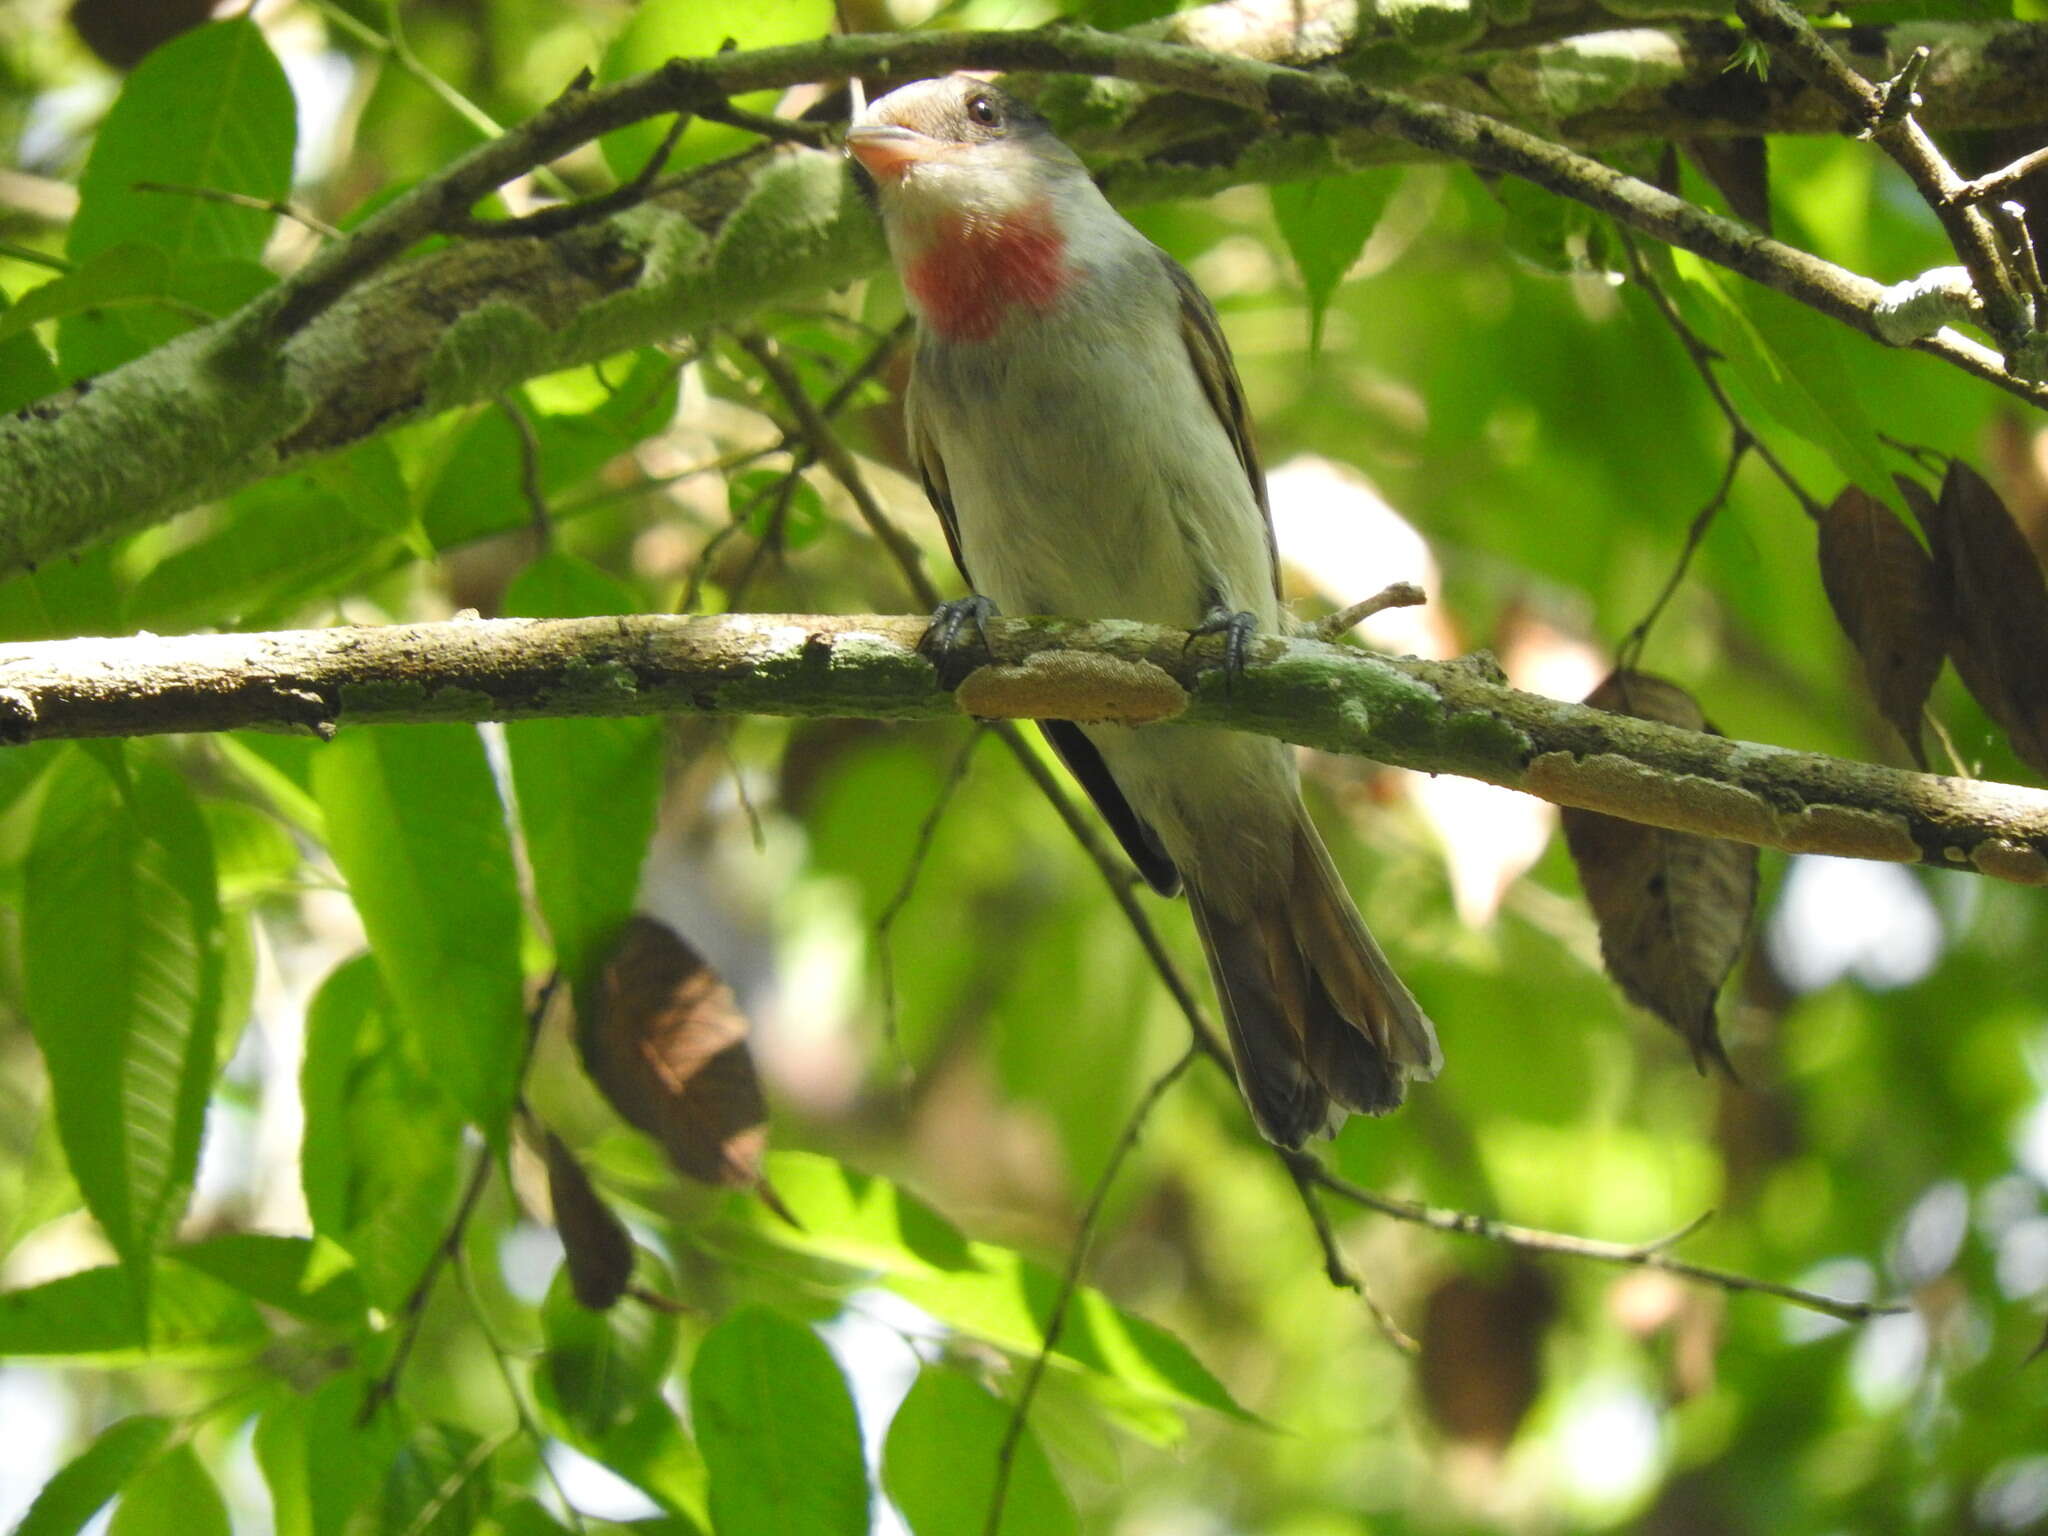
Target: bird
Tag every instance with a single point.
(1078, 423)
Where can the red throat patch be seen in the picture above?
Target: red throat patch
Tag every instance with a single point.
(971, 274)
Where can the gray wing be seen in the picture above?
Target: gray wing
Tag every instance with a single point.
(1209, 353)
(1073, 747)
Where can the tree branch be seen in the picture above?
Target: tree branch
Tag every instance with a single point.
(1436, 717)
(344, 348)
(1653, 1255)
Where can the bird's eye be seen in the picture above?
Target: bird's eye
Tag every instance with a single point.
(982, 110)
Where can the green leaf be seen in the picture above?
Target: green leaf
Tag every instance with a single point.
(440, 1484)
(940, 1459)
(587, 788)
(127, 1029)
(415, 824)
(252, 850)
(648, 1449)
(1326, 223)
(304, 1277)
(26, 372)
(1006, 1300)
(346, 1459)
(132, 275)
(98, 1314)
(601, 1368)
(777, 1428)
(1787, 359)
(382, 1144)
(479, 488)
(82, 1487)
(770, 502)
(1136, 1368)
(669, 29)
(172, 1496)
(282, 544)
(853, 1218)
(211, 109)
(280, 1445)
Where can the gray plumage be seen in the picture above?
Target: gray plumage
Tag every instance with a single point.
(1081, 432)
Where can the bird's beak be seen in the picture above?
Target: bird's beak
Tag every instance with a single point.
(887, 151)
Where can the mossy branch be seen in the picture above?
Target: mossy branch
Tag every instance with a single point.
(1436, 717)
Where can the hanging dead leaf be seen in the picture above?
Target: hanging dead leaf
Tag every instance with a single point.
(1997, 606)
(1883, 588)
(595, 1242)
(1740, 170)
(1673, 907)
(1481, 1365)
(663, 1038)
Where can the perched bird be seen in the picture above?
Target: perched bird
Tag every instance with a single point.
(1080, 429)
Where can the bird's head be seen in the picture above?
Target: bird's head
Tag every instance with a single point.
(978, 198)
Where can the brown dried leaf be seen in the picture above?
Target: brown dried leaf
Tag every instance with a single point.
(1997, 606)
(1740, 170)
(1481, 1365)
(598, 1247)
(663, 1038)
(1673, 907)
(1883, 588)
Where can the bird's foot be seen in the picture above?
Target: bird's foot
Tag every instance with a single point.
(1237, 628)
(942, 640)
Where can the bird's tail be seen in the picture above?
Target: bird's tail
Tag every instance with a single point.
(1319, 1022)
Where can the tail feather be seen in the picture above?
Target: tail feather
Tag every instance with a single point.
(1318, 1021)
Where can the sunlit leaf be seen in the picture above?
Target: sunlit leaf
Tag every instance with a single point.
(210, 109)
(777, 1429)
(98, 1315)
(415, 823)
(1326, 223)
(601, 1368)
(587, 788)
(122, 945)
(382, 1144)
(82, 1486)
(172, 1496)
(939, 1464)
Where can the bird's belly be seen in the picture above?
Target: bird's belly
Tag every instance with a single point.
(1096, 488)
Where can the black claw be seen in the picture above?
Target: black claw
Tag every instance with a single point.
(1237, 629)
(948, 619)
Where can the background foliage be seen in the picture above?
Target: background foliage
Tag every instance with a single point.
(232, 1144)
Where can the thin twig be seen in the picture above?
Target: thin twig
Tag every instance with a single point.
(573, 215)
(1401, 594)
(529, 473)
(413, 1313)
(1070, 1283)
(1703, 359)
(920, 850)
(825, 443)
(456, 1480)
(283, 210)
(1991, 183)
(1884, 114)
(1339, 1271)
(527, 1423)
(1630, 651)
(1651, 1255)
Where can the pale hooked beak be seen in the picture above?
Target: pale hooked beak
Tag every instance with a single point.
(887, 151)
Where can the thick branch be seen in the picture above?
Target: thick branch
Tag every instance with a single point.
(372, 344)
(1432, 716)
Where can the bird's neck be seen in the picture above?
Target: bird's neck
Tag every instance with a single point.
(969, 273)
